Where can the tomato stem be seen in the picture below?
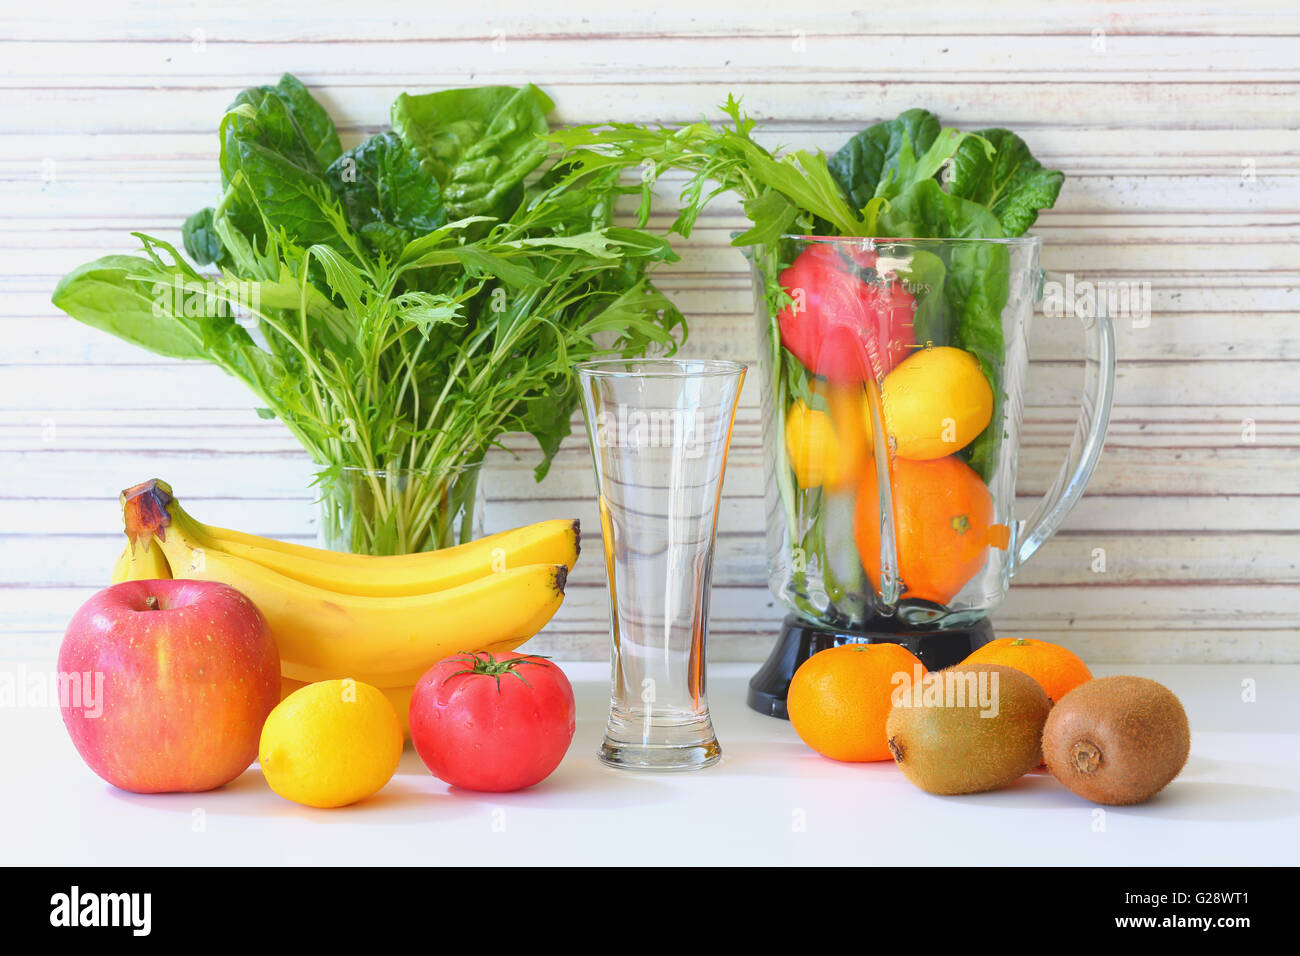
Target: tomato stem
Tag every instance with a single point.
(482, 662)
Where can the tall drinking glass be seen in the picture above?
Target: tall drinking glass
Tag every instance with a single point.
(659, 432)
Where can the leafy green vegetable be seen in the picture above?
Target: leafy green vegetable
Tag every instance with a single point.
(926, 276)
(1007, 180)
(272, 172)
(884, 160)
(479, 143)
(117, 294)
(925, 211)
(389, 196)
(399, 306)
(868, 163)
(313, 123)
(794, 191)
(202, 244)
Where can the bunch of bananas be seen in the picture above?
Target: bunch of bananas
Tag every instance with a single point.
(381, 620)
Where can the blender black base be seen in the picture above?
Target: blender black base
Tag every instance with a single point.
(800, 640)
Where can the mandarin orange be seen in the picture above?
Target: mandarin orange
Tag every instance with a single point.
(1056, 669)
(839, 699)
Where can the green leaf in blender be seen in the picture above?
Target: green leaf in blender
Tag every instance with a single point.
(924, 277)
(883, 160)
(1008, 180)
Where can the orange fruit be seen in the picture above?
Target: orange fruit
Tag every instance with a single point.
(943, 520)
(839, 698)
(1056, 669)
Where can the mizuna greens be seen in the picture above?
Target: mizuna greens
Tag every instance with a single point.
(400, 304)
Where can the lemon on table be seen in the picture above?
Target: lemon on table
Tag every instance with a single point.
(331, 743)
(936, 402)
(399, 697)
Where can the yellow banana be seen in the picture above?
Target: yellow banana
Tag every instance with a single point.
(144, 562)
(388, 641)
(547, 542)
(346, 559)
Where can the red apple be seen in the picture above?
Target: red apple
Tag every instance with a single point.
(165, 685)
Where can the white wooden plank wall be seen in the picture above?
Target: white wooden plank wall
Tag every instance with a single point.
(1176, 124)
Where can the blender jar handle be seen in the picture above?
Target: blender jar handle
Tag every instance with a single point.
(1085, 446)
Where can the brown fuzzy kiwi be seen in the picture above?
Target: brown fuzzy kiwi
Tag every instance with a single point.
(951, 749)
(1117, 740)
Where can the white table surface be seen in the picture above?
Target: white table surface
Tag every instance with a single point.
(769, 801)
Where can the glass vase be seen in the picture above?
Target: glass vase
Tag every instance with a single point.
(399, 511)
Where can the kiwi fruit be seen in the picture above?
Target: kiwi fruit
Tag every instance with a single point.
(947, 741)
(1117, 740)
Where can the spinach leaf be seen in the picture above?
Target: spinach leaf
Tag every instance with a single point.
(1009, 181)
(273, 171)
(124, 296)
(872, 157)
(478, 143)
(313, 122)
(388, 195)
(169, 310)
(202, 243)
(884, 160)
(925, 211)
(292, 123)
(977, 291)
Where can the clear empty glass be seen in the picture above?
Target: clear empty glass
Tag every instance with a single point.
(659, 432)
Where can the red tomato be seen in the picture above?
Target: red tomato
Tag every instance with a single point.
(839, 326)
(492, 722)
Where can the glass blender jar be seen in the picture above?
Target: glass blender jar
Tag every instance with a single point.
(892, 386)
